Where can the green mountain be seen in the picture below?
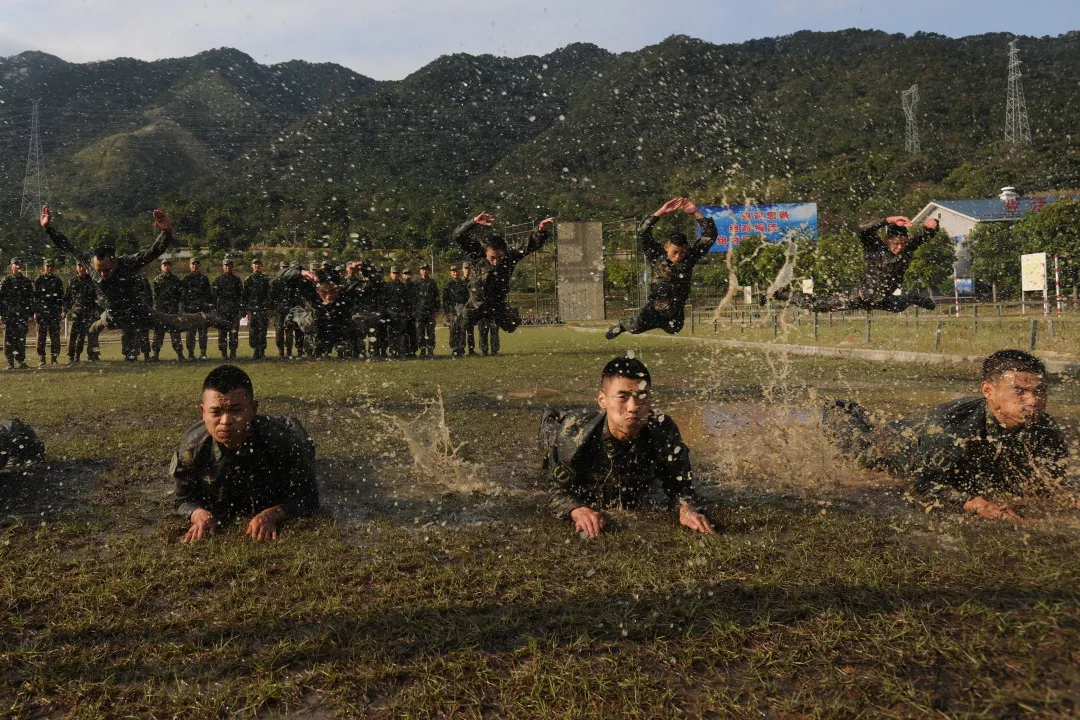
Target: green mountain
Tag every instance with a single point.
(244, 153)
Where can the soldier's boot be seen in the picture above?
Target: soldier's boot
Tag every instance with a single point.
(54, 359)
(41, 361)
(157, 356)
(615, 331)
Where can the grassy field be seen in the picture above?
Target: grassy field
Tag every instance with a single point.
(437, 585)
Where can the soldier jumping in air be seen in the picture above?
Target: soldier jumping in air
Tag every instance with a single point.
(673, 270)
(885, 265)
(117, 279)
(492, 264)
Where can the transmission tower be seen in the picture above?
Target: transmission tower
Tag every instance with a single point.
(910, 99)
(1017, 130)
(35, 184)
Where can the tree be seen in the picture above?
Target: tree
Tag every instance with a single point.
(995, 255)
(836, 263)
(757, 261)
(932, 266)
(1055, 230)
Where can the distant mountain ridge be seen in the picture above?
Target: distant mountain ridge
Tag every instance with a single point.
(318, 153)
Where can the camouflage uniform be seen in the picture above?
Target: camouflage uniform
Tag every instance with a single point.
(455, 295)
(49, 304)
(588, 467)
(427, 306)
(16, 307)
(19, 444)
(956, 452)
(257, 299)
(489, 285)
(229, 304)
(198, 297)
(81, 301)
(275, 466)
(168, 294)
(672, 282)
(883, 274)
(398, 301)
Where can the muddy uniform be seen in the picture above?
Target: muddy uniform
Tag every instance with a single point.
(398, 301)
(301, 296)
(126, 306)
(427, 307)
(275, 466)
(455, 295)
(16, 307)
(81, 301)
(957, 452)
(882, 275)
(489, 285)
(671, 282)
(198, 297)
(19, 444)
(48, 305)
(229, 304)
(587, 467)
(257, 301)
(168, 294)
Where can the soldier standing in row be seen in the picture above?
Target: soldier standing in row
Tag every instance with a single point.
(279, 304)
(398, 304)
(81, 303)
(229, 304)
(142, 331)
(16, 307)
(168, 294)
(455, 295)
(467, 327)
(258, 302)
(411, 340)
(48, 306)
(198, 296)
(350, 288)
(427, 306)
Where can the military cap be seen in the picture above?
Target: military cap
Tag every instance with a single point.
(195, 261)
(256, 260)
(325, 264)
(466, 264)
(227, 261)
(47, 261)
(406, 271)
(394, 269)
(166, 261)
(16, 260)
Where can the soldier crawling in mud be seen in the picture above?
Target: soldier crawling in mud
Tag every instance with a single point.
(972, 453)
(884, 266)
(612, 457)
(673, 271)
(237, 463)
(492, 263)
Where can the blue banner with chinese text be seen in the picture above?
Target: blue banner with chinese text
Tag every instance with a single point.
(775, 223)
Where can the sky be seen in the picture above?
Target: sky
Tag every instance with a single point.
(388, 39)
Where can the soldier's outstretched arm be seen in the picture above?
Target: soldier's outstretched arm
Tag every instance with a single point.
(868, 232)
(463, 236)
(538, 237)
(60, 240)
(924, 234)
(160, 245)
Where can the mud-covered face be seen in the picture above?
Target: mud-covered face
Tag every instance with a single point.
(228, 416)
(627, 404)
(1016, 398)
(675, 253)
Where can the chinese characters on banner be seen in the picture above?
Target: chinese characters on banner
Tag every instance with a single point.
(775, 223)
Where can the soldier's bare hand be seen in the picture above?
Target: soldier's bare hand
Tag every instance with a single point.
(694, 520)
(545, 224)
(202, 525)
(991, 511)
(930, 224)
(264, 525)
(588, 521)
(898, 221)
(485, 219)
(669, 207)
(162, 221)
(46, 217)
